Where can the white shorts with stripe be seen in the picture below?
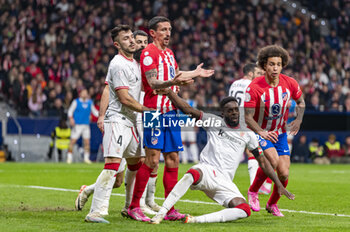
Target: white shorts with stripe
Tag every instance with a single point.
(139, 125)
(216, 185)
(120, 141)
(81, 130)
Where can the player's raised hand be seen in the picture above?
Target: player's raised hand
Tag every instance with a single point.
(180, 80)
(284, 191)
(100, 123)
(294, 126)
(204, 72)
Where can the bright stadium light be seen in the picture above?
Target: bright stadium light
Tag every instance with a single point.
(23, 155)
(15, 141)
(8, 114)
(38, 136)
(313, 16)
(294, 5)
(303, 11)
(323, 22)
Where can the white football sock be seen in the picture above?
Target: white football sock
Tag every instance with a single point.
(69, 157)
(194, 152)
(90, 189)
(224, 215)
(184, 155)
(129, 186)
(178, 191)
(143, 198)
(86, 155)
(150, 190)
(253, 166)
(103, 189)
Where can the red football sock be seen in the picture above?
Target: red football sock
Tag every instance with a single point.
(258, 181)
(169, 180)
(142, 177)
(268, 180)
(275, 196)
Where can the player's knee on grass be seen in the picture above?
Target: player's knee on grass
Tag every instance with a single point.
(196, 174)
(119, 180)
(240, 203)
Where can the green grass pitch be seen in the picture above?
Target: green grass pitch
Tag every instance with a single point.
(321, 189)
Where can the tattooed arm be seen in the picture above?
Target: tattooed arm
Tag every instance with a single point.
(151, 77)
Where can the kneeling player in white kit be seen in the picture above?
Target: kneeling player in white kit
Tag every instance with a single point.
(218, 163)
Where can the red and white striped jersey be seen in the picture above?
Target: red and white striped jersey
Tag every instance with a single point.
(271, 103)
(165, 64)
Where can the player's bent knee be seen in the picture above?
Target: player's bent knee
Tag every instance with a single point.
(245, 207)
(195, 174)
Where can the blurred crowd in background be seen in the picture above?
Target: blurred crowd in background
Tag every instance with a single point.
(50, 50)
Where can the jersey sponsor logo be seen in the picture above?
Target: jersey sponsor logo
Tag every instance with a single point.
(247, 97)
(284, 96)
(147, 61)
(263, 143)
(276, 109)
(154, 140)
(172, 72)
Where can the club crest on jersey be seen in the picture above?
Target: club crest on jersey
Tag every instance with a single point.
(276, 109)
(147, 61)
(247, 97)
(172, 72)
(172, 59)
(263, 143)
(284, 96)
(154, 140)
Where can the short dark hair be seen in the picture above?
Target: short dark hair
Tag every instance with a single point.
(272, 51)
(227, 100)
(250, 67)
(139, 32)
(153, 23)
(115, 31)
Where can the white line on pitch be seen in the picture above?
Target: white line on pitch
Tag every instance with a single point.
(188, 201)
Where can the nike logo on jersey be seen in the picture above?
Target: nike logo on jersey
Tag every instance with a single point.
(285, 151)
(180, 147)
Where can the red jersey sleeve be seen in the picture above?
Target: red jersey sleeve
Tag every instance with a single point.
(251, 97)
(295, 89)
(148, 60)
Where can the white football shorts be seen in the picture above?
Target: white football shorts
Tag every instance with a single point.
(120, 141)
(81, 130)
(216, 185)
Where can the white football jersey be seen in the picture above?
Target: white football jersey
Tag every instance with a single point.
(122, 73)
(237, 90)
(225, 145)
(139, 115)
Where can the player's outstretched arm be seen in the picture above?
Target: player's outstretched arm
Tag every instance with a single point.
(179, 80)
(198, 72)
(129, 101)
(254, 126)
(103, 108)
(268, 170)
(181, 104)
(300, 109)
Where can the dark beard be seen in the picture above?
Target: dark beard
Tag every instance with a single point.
(137, 54)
